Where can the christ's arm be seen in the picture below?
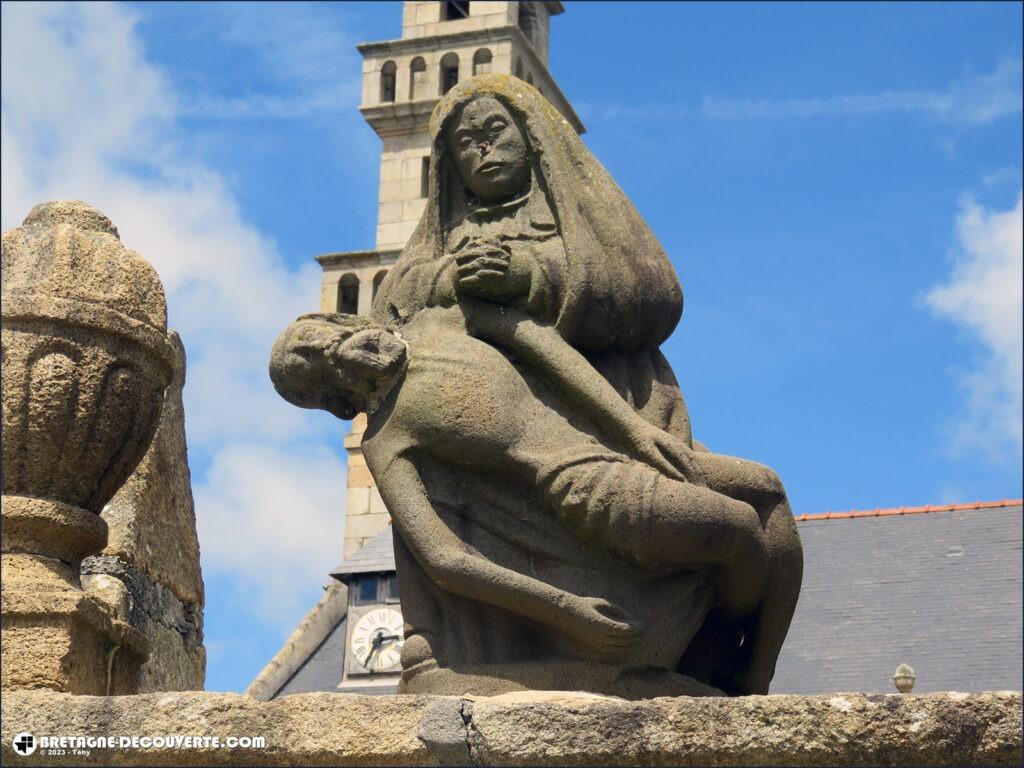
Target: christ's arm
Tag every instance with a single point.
(599, 625)
(575, 380)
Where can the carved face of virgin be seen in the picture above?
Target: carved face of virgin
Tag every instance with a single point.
(489, 150)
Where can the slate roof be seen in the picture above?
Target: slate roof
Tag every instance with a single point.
(375, 556)
(322, 670)
(938, 588)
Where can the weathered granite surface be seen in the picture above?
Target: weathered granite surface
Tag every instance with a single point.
(557, 526)
(151, 518)
(534, 728)
(86, 357)
(177, 657)
(85, 365)
(149, 572)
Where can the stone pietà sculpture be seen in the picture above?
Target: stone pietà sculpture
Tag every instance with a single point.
(85, 363)
(556, 526)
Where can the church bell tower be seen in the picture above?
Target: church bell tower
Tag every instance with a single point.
(441, 44)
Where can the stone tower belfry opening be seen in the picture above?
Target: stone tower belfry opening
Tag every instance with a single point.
(442, 43)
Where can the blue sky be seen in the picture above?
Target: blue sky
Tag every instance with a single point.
(838, 186)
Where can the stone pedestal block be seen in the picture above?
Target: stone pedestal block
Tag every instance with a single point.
(531, 728)
(55, 635)
(66, 641)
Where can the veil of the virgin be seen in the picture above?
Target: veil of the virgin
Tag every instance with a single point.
(620, 293)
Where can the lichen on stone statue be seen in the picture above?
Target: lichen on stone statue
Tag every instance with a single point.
(556, 527)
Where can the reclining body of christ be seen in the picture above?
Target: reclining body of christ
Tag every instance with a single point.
(482, 388)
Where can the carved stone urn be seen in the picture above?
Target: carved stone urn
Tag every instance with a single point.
(85, 363)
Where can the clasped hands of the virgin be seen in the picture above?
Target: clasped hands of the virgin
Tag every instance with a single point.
(487, 268)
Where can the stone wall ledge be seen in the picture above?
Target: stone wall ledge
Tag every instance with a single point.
(530, 728)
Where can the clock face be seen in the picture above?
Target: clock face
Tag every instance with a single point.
(376, 641)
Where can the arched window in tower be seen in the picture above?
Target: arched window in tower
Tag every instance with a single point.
(482, 62)
(388, 75)
(418, 78)
(528, 23)
(529, 77)
(377, 280)
(519, 69)
(425, 176)
(449, 72)
(348, 294)
(455, 10)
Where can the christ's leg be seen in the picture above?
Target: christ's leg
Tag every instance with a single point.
(657, 521)
(766, 627)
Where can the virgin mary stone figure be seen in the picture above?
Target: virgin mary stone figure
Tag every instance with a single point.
(522, 222)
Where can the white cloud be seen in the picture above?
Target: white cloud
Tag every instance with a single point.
(275, 520)
(857, 104)
(86, 116)
(969, 100)
(1005, 175)
(984, 298)
(309, 59)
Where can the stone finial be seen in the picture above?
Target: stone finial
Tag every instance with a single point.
(85, 364)
(67, 251)
(80, 215)
(904, 678)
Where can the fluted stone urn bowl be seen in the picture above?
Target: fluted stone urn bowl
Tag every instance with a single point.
(86, 360)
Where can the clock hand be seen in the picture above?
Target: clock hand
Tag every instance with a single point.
(373, 650)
